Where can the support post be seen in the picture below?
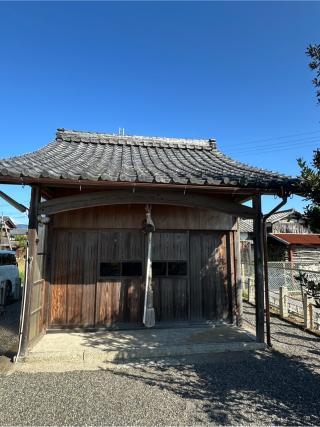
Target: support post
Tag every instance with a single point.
(307, 312)
(283, 301)
(258, 267)
(32, 244)
(239, 282)
(250, 290)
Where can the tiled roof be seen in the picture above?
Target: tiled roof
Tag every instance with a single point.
(278, 216)
(246, 225)
(9, 220)
(298, 239)
(77, 155)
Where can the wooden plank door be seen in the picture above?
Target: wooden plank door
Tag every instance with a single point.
(170, 289)
(209, 299)
(120, 295)
(74, 276)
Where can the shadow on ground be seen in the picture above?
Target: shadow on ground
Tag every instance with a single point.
(263, 387)
(9, 329)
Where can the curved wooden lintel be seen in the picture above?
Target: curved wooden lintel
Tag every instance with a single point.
(120, 197)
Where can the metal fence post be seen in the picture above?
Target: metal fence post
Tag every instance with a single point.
(283, 301)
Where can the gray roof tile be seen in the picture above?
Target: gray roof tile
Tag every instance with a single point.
(75, 155)
(246, 225)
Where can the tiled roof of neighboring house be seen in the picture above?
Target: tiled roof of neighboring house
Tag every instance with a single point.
(278, 216)
(297, 239)
(9, 221)
(77, 155)
(246, 225)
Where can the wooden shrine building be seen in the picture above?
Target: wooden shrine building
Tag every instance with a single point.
(87, 237)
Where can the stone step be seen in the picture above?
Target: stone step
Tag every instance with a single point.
(148, 352)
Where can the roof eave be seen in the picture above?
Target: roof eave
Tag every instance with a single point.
(61, 182)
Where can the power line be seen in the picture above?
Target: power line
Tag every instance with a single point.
(259, 153)
(276, 147)
(276, 138)
(276, 144)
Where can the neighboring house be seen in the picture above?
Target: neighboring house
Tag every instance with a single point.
(297, 248)
(89, 268)
(7, 227)
(286, 221)
(17, 233)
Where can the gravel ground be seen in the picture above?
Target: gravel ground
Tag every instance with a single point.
(289, 340)
(9, 329)
(261, 388)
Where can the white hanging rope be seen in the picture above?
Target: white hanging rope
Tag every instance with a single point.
(148, 310)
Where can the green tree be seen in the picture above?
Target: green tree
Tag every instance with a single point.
(311, 190)
(311, 174)
(313, 51)
(22, 241)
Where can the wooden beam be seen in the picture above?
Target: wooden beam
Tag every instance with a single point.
(32, 243)
(120, 197)
(258, 268)
(68, 183)
(12, 202)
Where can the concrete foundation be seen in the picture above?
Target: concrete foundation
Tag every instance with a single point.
(111, 346)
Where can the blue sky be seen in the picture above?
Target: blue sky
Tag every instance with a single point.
(235, 71)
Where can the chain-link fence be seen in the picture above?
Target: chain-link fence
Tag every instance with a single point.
(286, 295)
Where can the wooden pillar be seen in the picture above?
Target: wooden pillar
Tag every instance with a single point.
(32, 243)
(258, 267)
(239, 283)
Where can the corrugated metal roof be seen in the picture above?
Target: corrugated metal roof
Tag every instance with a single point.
(298, 239)
(75, 155)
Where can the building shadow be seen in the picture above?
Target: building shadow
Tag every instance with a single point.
(237, 388)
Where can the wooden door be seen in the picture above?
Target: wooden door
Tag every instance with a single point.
(209, 299)
(73, 279)
(170, 276)
(120, 287)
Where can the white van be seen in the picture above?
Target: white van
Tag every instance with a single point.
(9, 277)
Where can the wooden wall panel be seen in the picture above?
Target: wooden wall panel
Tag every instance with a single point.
(196, 273)
(131, 245)
(75, 277)
(208, 280)
(132, 216)
(170, 293)
(89, 278)
(120, 300)
(170, 297)
(37, 309)
(74, 273)
(59, 280)
(79, 296)
(135, 300)
(109, 246)
(170, 246)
